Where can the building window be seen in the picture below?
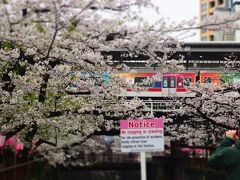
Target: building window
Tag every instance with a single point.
(211, 38)
(220, 2)
(204, 30)
(203, 17)
(204, 39)
(204, 6)
(212, 4)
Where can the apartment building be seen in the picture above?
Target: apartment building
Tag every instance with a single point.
(222, 7)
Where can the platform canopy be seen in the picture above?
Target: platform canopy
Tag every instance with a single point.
(193, 55)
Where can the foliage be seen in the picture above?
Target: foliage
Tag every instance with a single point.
(41, 41)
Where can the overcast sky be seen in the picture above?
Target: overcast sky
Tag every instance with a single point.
(176, 10)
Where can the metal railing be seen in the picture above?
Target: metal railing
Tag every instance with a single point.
(160, 105)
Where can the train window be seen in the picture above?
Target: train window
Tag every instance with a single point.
(172, 82)
(157, 84)
(187, 81)
(207, 80)
(165, 82)
(141, 79)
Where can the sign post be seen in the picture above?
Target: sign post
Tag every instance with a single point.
(142, 135)
(143, 166)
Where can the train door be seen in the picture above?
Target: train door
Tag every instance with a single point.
(169, 85)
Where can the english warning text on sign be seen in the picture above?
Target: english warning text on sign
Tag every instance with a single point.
(142, 135)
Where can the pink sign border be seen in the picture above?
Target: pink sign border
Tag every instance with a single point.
(158, 123)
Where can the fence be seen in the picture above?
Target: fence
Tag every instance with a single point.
(115, 167)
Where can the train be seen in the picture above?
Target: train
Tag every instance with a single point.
(163, 84)
(174, 84)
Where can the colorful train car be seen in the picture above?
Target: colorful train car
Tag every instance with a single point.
(174, 84)
(156, 84)
(210, 78)
(217, 78)
(74, 88)
(162, 85)
(230, 78)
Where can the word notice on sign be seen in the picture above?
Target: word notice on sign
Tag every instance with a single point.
(143, 135)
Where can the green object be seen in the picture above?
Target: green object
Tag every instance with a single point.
(6, 44)
(227, 157)
(230, 78)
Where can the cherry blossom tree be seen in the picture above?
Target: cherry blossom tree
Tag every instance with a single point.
(203, 118)
(50, 48)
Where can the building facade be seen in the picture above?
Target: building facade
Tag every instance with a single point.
(224, 8)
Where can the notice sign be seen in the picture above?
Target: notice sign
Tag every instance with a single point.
(145, 135)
